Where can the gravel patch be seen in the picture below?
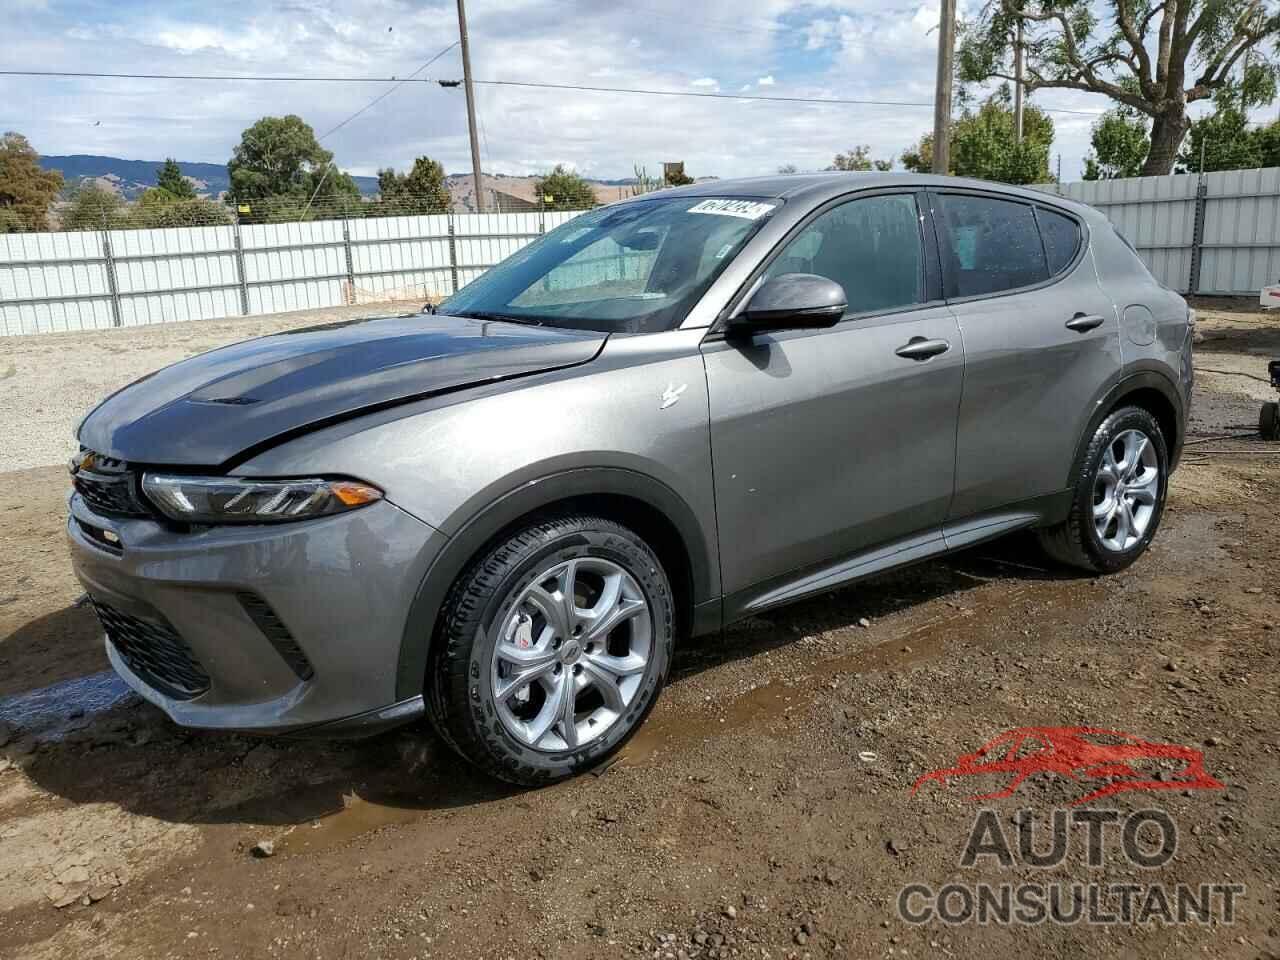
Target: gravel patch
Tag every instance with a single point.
(48, 382)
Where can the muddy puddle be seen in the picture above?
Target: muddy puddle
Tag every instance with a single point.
(364, 811)
(52, 713)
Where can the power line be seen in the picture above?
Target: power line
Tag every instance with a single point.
(542, 85)
(840, 101)
(386, 93)
(376, 100)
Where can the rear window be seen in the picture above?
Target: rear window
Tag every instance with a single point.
(1061, 239)
(993, 245)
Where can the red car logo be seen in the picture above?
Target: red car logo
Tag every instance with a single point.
(1081, 754)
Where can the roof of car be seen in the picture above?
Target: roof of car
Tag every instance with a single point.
(821, 186)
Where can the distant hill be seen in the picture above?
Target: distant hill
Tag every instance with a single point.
(132, 177)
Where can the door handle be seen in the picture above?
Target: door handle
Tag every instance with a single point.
(1082, 323)
(918, 348)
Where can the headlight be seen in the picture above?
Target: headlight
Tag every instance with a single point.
(235, 500)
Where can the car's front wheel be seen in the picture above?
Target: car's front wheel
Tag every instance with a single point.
(1119, 495)
(551, 649)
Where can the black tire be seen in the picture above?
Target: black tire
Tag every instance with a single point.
(1269, 421)
(459, 684)
(1076, 542)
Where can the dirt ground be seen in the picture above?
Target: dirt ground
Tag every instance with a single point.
(765, 810)
(49, 381)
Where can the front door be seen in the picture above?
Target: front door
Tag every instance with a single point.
(829, 442)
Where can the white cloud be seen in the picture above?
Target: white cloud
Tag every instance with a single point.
(841, 48)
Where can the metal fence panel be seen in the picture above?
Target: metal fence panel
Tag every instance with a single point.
(1155, 214)
(1241, 231)
(76, 281)
(400, 258)
(52, 282)
(1239, 249)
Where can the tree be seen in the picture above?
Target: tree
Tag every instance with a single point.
(26, 191)
(983, 144)
(170, 179)
(158, 207)
(859, 158)
(421, 190)
(1223, 140)
(280, 157)
(562, 189)
(1155, 58)
(1120, 145)
(94, 207)
(677, 178)
(787, 169)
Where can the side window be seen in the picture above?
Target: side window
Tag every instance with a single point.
(993, 245)
(871, 247)
(1061, 239)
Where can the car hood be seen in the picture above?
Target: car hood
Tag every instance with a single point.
(207, 410)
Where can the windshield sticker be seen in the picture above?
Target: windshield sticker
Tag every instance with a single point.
(746, 209)
(724, 251)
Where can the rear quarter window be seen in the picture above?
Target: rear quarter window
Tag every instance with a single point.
(1061, 236)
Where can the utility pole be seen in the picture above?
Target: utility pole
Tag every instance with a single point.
(1017, 84)
(942, 93)
(471, 107)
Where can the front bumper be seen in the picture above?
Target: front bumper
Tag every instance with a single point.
(336, 593)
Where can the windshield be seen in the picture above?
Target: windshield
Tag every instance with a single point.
(633, 268)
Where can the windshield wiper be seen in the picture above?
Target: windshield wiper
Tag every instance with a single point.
(503, 317)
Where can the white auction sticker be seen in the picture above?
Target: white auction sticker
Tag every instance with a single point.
(746, 209)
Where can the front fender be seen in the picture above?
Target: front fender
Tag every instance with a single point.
(520, 501)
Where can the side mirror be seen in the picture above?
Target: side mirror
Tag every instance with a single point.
(792, 301)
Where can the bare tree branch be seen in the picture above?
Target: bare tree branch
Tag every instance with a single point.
(1142, 68)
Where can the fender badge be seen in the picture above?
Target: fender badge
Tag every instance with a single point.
(671, 395)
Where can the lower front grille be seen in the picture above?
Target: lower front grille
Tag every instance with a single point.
(155, 652)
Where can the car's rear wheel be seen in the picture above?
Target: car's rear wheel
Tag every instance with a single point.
(1119, 495)
(551, 649)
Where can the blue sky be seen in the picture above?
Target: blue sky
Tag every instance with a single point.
(844, 48)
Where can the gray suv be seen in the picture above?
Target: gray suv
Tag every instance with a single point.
(668, 414)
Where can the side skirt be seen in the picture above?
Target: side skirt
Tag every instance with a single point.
(950, 537)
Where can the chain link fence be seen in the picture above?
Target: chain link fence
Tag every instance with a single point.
(263, 256)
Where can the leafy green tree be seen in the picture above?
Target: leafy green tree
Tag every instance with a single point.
(94, 207)
(983, 144)
(170, 179)
(1223, 140)
(280, 157)
(1155, 58)
(562, 189)
(157, 207)
(859, 158)
(421, 190)
(1120, 145)
(678, 178)
(26, 190)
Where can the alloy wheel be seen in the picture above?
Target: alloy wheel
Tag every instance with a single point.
(1126, 491)
(571, 654)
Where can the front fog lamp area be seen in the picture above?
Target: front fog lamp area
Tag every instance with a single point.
(233, 500)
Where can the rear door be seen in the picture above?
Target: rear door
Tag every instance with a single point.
(1041, 341)
(828, 442)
